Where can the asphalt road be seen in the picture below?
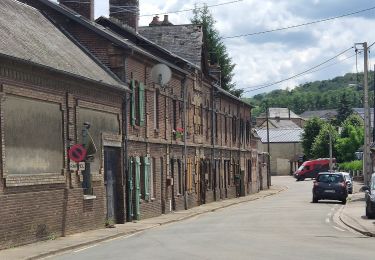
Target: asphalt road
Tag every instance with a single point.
(285, 226)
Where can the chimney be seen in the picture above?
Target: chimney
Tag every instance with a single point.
(82, 7)
(155, 21)
(126, 11)
(166, 21)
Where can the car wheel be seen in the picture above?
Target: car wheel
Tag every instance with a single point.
(343, 201)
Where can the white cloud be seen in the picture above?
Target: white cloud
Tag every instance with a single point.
(271, 57)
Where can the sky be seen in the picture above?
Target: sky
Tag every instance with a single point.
(271, 57)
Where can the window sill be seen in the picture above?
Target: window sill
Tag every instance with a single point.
(89, 197)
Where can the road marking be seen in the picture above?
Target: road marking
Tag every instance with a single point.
(327, 220)
(85, 248)
(340, 229)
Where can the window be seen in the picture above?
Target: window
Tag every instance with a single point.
(174, 104)
(179, 176)
(33, 132)
(226, 129)
(201, 114)
(156, 108)
(248, 131)
(216, 126)
(234, 129)
(152, 178)
(249, 171)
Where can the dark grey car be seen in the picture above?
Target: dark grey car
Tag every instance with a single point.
(370, 197)
(331, 186)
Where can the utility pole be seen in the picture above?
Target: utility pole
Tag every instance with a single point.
(366, 147)
(373, 124)
(268, 141)
(330, 150)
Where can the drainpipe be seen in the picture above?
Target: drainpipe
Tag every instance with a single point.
(184, 119)
(213, 139)
(125, 149)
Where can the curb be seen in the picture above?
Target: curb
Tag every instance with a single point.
(69, 248)
(366, 233)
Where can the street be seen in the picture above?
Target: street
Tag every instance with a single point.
(283, 226)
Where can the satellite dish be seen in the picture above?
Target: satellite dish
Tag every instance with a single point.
(161, 74)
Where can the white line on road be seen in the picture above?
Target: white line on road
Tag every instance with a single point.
(340, 229)
(85, 248)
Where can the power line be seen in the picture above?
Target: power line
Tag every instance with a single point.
(300, 25)
(296, 75)
(192, 9)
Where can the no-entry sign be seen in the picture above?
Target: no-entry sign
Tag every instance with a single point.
(77, 153)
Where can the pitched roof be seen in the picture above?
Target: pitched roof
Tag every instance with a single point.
(184, 40)
(276, 135)
(283, 123)
(361, 112)
(280, 112)
(28, 35)
(323, 114)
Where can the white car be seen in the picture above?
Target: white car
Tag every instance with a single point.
(349, 181)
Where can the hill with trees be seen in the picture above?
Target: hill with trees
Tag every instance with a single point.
(317, 95)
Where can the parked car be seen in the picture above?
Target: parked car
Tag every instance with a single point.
(349, 181)
(331, 186)
(311, 169)
(370, 197)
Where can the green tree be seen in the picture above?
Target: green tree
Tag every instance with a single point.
(344, 108)
(347, 146)
(320, 147)
(310, 131)
(216, 48)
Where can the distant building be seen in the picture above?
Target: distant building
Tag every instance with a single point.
(280, 116)
(285, 138)
(325, 115)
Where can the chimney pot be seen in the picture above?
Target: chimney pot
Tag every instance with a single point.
(82, 7)
(166, 21)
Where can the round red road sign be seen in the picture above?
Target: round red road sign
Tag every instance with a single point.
(77, 153)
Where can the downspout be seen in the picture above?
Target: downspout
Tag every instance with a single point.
(213, 128)
(184, 87)
(125, 149)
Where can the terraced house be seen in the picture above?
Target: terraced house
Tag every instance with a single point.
(154, 149)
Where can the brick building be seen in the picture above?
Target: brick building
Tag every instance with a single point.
(159, 148)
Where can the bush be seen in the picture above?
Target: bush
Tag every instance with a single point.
(351, 166)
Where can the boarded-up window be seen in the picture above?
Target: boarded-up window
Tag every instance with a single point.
(100, 122)
(33, 136)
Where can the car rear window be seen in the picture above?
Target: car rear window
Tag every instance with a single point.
(330, 178)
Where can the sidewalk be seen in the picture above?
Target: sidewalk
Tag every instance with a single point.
(51, 247)
(353, 214)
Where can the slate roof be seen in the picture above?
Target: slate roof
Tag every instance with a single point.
(185, 41)
(28, 35)
(277, 135)
(283, 123)
(323, 114)
(279, 112)
(361, 112)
